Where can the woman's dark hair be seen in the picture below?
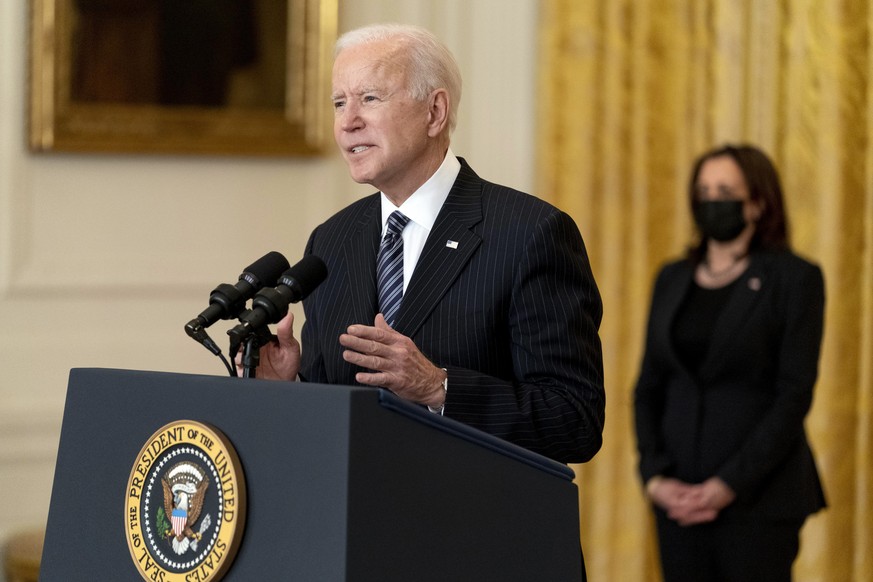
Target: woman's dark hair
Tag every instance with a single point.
(763, 183)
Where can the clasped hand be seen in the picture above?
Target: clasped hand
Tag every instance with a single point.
(689, 504)
(395, 361)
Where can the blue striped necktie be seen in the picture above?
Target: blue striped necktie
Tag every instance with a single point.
(389, 267)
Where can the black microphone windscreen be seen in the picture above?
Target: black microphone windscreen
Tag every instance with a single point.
(265, 272)
(306, 275)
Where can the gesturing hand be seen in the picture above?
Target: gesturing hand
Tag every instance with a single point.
(396, 361)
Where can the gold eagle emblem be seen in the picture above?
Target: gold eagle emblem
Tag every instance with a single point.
(185, 487)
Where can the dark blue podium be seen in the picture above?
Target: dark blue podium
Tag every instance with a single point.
(343, 484)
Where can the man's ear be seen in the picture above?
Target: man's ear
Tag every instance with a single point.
(437, 112)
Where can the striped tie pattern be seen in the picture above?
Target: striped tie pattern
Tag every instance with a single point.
(389, 267)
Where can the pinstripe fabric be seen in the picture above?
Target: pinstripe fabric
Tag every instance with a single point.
(512, 312)
(389, 267)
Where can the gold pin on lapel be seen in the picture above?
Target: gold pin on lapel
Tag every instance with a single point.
(452, 244)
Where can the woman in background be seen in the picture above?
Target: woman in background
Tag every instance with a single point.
(727, 378)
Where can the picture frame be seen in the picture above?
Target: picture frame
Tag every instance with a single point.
(141, 76)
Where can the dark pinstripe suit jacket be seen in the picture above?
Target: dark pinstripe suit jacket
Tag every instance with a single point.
(512, 313)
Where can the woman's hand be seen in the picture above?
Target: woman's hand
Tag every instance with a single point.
(689, 504)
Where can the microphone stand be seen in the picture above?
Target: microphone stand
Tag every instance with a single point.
(252, 350)
(251, 356)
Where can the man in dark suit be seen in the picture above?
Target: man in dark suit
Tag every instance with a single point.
(492, 310)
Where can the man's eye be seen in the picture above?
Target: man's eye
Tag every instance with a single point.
(338, 104)
(370, 98)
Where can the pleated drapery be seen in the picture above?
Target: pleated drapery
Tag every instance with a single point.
(631, 91)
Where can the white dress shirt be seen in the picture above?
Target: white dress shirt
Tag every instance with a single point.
(422, 208)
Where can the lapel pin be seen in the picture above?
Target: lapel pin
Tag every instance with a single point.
(452, 244)
(755, 284)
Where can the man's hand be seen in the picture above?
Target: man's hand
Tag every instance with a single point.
(396, 361)
(279, 359)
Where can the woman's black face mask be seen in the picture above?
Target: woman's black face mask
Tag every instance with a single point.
(720, 220)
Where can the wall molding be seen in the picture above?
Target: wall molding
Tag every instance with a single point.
(29, 436)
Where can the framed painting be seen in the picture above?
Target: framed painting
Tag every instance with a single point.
(246, 77)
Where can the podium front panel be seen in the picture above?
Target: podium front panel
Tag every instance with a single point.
(342, 485)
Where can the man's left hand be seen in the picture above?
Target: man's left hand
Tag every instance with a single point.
(396, 361)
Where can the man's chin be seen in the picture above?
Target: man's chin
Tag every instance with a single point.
(360, 179)
(359, 175)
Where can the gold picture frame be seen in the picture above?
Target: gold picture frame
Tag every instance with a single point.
(85, 96)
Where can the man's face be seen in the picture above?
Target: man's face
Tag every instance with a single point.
(380, 129)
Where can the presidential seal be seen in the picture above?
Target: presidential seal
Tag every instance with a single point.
(185, 504)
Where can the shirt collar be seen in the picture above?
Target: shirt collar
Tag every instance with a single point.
(425, 203)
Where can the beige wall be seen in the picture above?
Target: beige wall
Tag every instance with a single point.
(103, 259)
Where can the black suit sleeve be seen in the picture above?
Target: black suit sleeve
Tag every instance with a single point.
(649, 396)
(312, 368)
(552, 400)
(781, 428)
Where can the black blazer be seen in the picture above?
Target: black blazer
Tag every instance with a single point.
(741, 416)
(512, 313)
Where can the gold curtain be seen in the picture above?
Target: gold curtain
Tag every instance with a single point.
(631, 92)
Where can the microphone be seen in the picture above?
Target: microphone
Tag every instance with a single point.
(271, 304)
(228, 301)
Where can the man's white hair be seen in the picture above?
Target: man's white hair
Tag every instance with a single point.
(431, 64)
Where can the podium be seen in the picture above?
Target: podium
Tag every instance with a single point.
(342, 484)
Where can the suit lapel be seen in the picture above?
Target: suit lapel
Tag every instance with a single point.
(674, 297)
(742, 299)
(361, 248)
(448, 248)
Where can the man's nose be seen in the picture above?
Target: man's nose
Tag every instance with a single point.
(350, 118)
